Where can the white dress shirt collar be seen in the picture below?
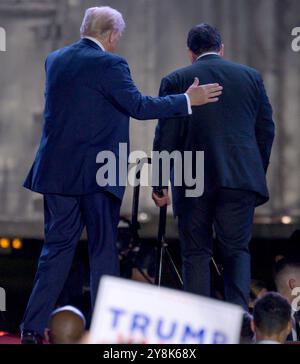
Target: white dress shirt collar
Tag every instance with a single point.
(207, 54)
(272, 342)
(96, 41)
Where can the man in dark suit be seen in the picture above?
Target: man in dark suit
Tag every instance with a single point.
(90, 97)
(236, 136)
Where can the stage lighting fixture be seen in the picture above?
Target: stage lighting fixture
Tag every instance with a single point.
(286, 220)
(17, 244)
(4, 243)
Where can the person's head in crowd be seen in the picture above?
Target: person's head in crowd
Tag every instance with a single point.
(247, 334)
(287, 278)
(204, 38)
(66, 326)
(272, 319)
(257, 290)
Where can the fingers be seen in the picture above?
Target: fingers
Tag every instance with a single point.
(161, 201)
(168, 200)
(196, 82)
(214, 87)
(166, 193)
(216, 99)
(203, 94)
(214, 94)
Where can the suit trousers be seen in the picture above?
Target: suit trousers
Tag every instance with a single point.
(65, 218)
(230, 212)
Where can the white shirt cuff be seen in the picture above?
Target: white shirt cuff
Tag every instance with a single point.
(189, 104)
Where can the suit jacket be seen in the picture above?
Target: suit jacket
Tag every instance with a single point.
(236, 133)
(89, 98)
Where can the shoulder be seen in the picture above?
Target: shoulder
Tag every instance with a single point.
(112, 60)
(175, 76)
(54, 54)
(254, 73)
(59, 53)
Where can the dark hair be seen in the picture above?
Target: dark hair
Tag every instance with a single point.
(290, 248)
(204, 38)
(272, 314)
(284, 263)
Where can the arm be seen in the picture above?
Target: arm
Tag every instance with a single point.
(168, 134)
(169, 131)
(265, 127)
(118, 85)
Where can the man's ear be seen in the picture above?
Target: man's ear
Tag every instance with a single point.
(222, 51)
(252, 324)
(289, 327)
(110, 37)
(292, 284)
(113, 36)
(192, 56)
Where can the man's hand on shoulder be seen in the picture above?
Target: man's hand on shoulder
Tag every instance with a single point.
(203, 94)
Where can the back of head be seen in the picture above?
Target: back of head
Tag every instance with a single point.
(287, 276)
(66, 326)
(271, 316)
(99, 21)
(204, 38)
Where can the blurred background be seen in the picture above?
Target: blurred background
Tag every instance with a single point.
(255, 32)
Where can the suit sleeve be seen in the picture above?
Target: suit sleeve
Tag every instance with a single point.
(169, 131)
(265, 127)
(119, 87)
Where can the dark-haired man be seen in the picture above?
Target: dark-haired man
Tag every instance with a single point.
(271, 319)
(236, 136)
(89, 99)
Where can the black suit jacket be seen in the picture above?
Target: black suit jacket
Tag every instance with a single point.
(236, 133)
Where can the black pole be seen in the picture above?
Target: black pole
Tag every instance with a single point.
(160, 244)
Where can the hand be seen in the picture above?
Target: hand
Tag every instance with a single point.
(201, 95)
(161, 201)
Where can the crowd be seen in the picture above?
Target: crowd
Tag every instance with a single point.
(273, 319)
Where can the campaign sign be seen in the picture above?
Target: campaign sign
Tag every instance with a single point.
(131, 312)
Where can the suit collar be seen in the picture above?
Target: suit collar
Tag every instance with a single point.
(90, 43)
(207, 57)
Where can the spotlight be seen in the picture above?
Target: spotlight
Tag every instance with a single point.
(144, 217)
(4, 243)
(286, 220)
(17, 244)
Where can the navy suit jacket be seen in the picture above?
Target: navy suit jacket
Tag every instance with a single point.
(89, 99)
(236, 133)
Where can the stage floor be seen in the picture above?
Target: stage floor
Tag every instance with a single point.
(9, 339)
